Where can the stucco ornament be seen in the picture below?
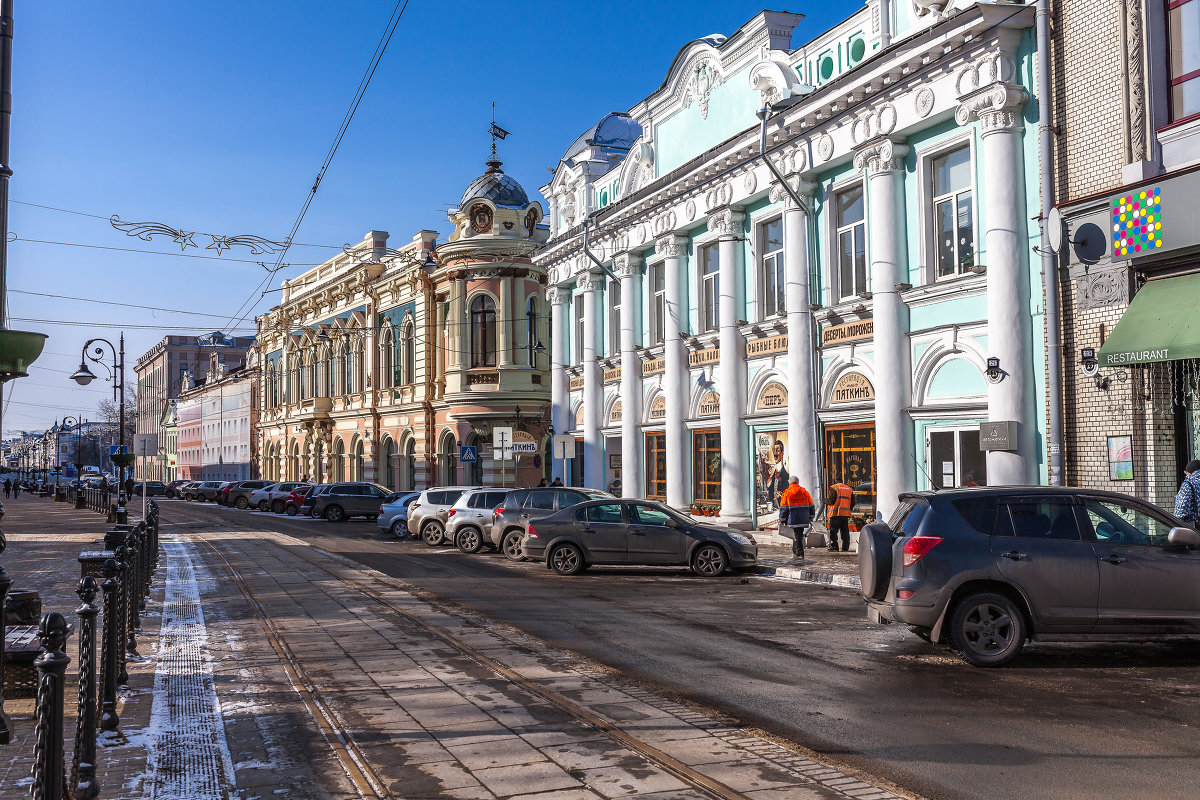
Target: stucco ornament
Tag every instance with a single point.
(775, 82)
(481, 218)
(689, 210)
(750, 182)
(704, 76)
(924, 102)
(881, 155)
(879, 121)
(825, 146)
(638, 169)
(717, 197)
(923, 8)
(1102, 288)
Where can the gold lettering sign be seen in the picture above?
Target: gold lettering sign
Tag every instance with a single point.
(710, 405)
(523, 436)
(853, 387)
(614, 416)
(773, 396)
(847, 332)
(576, 383)
(699, 358)
(766, 346)
(658, 409)
(655, 366)
(579, 419)
(612, 375)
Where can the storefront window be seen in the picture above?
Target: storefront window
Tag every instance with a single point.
(770, 472)
(656, 465)
(954, 459)
(706, 466)
(850, 459)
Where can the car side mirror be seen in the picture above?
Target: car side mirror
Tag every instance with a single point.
(673, 524)
(1184, 537)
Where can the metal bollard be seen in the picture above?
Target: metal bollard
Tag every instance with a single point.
(122, 514)
(122, 554)
(144, 554)
(131, 593)
(83, 761)
(108, 667)
(80, 497)
(48, 783)
(5, 584)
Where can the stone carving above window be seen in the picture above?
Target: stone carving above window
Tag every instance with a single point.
(1102, 288)
(704, 76)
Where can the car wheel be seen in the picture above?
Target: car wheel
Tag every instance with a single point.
(277, 506)
(709, 560)
(400, 529)
(241, 503)
(264, 506)
(987, 629)
(566, 559)
(469, 540)
(335, 514)
(291, 510)
(431, 534)
(510, 545)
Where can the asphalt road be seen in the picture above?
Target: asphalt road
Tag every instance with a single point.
(801, 661)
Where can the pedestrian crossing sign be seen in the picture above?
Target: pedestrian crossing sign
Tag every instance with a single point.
(467, 454)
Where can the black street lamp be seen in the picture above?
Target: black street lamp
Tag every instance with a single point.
(83, 376)
(77, 424)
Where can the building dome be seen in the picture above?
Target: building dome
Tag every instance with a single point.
(497, 187)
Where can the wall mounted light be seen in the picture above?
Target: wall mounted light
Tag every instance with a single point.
(994, 373)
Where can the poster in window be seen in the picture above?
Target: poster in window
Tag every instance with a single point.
(1120, 458)
(770, 472)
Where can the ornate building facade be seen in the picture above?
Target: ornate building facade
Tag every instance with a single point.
(880, 325)
(394, 365)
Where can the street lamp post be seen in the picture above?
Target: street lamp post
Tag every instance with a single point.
(83, 376)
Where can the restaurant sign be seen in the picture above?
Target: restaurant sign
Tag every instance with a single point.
(853, 387)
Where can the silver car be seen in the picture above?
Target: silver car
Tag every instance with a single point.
(469, 520)
(393, 514)
(427, 514)
(272, 498)
(508, 523)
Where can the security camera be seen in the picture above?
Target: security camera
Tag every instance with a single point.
(993, 371)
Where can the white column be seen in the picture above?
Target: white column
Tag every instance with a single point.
(560, 401)
(803, 440)
(675, 376)
(1011, 396)
(593, 397)
(731, 370)
(629, 267)
(884, 161)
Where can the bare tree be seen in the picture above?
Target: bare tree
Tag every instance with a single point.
(109, 410)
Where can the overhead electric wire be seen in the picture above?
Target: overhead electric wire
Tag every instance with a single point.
(15, 238)
(115, 303)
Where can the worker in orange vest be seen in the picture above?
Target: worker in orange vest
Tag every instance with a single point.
(837, 503)
(795, 511)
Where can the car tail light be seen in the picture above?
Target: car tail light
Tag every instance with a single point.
(905, 594)
(497, 511)
(450, 513)
(531, 531)
(916, 547)
(381, 511)
(414, 506)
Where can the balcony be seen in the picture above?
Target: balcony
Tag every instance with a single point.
(311, 409)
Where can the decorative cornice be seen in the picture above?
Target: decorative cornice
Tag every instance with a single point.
(998, 107)
(671, 246)
(881, 155)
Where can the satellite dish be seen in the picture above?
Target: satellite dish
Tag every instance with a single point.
(1056, 230)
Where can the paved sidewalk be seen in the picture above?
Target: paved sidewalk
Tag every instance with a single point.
(818, 565)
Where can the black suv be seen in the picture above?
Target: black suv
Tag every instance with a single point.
(509, 519)
(987, 569)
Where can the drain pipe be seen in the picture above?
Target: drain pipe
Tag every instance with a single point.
(764, 113)
(587, 222)
(1054, 346)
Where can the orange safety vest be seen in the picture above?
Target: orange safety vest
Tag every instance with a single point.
(845, 496)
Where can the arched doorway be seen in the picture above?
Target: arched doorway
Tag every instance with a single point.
(293, 468)
(447, 461)
(339, 460)
(356, 460)
(409, 478)
(387, 460)
(474, 469)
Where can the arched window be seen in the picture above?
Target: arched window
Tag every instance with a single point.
(408, 354)
(387, 359)
(293, 389)
(308, 381)
(447, 466)
(483, 331)
(339, 369)
(294, 463)
(409, 479)
(530, 330)
(272, 386)
(359, 349)
(339, 461)
(356, 461)
(323, 373)
(387, 459)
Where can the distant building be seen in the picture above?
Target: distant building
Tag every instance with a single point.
(215, 421)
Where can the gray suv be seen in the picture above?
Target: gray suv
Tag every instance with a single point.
(520, 505)
(988, 569)
(471, 516)
(345, 500)
(427, 514)
(204, 491)
(239, 493)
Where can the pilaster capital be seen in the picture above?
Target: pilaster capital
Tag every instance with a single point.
(801, 185)
(997, 107)
(727, 221)
(881, 155)
(589, 281)
(556, 295)
(627, 265)
(671, 245)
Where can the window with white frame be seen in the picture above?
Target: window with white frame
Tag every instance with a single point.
(577, 302)
(614, 318)
(850, 212)
(1183, 31)
(710, 287)
(953, 213)
(770, 269)
(658, 305)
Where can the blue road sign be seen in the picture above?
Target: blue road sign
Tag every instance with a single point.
(467, 455)
(118, 449)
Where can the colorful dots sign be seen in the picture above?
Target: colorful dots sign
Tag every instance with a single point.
(1137, 222)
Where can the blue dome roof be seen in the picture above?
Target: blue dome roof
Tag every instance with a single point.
(494, 185)
(616, 130)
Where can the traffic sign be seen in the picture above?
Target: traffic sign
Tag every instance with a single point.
(118, 449)
(564, 445)
(467, 454)
(145, 444)
(502, 437)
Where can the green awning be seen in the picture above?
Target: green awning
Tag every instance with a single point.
(1161, 324)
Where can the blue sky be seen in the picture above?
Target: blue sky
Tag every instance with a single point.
(214, 117)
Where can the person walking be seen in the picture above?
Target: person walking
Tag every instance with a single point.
(837, 511)
(542, 483)
(16, 490)
(557, 482)
(1187, 499)
(7, 488)
(795, 511)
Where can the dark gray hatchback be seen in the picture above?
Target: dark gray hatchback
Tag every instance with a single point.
(988, 569)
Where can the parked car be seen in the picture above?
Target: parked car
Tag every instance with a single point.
(989, 569)
(471, 516)
(237, 494)
(427, 514)
(634, 532)
(352, 499)
(295, 500)
(393, 513)
(306, 505)
(508, 523)
(203, 491)
(272, 496)
(172, 488)
(151, 488)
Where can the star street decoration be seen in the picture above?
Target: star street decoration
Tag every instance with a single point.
(146, 231)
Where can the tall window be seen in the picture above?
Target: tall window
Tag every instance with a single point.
(531, 337)
(323, 374)
(410, 465)
(340, 368)
(656, 465)
(706, 465)
(358, 370)
(851, 242)
(387, 359)
(308, 382)
(408, 352)
(339, 461)
(710, 288)
(356, 461)
(614, 318)
(293, 378)
(953, 214)
(483, 331)
(578, 304)
(272, 386)
(1183, 28)
(770, 271)
(658, 308)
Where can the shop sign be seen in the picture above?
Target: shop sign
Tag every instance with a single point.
(853, 387)
(710, 405)
(766, 346)
(612, 375)
(832, 335)
(998, 435)
(523, 443)
(699, 358)
(773, 396)
(655, 366)
(614, 416)
(579, 418)
(658, 409)
(576, 383)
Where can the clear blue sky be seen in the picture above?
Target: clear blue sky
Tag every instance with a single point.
(215, 117)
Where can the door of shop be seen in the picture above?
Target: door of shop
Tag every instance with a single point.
(850, 458)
